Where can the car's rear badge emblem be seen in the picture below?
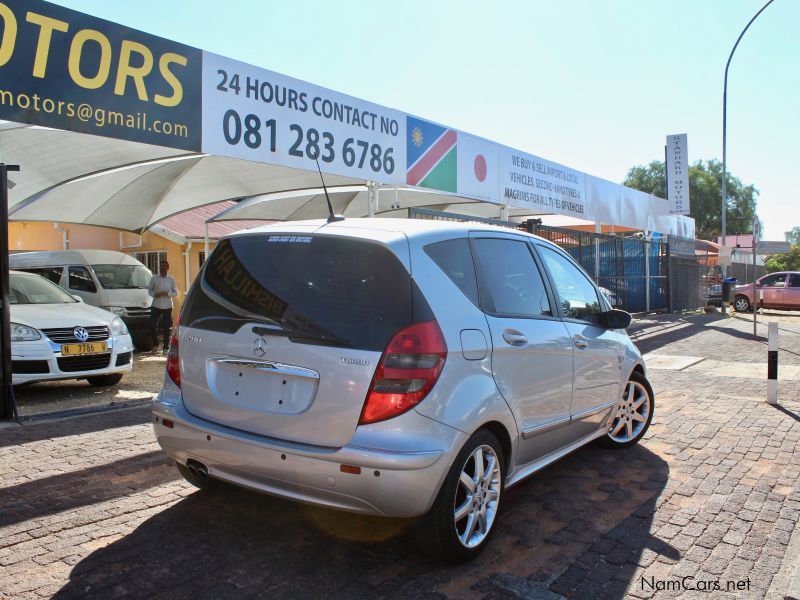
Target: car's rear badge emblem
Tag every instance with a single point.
(80, 334)
(260, 347)
(355, 361)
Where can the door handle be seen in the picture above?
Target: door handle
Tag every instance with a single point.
(580, 341)
(514, 338)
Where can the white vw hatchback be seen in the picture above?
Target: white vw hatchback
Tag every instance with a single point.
(56, 336)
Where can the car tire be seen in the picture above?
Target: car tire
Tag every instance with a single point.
(199, 481)
(442, 533)
(634, 413)
(105, 380)
(741, 304)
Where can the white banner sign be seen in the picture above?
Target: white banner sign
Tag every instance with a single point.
(725, 256)
(765, 247)
(532, 182)
(263, 116)
(677, 174)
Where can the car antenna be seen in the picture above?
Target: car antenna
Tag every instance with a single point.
(332, 218)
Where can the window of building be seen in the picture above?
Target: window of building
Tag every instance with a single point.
(151, 260)
(201, 259)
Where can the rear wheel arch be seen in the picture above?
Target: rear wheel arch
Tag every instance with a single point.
(503, 436)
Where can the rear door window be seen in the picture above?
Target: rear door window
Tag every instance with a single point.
(794, 280)
(313, 289)
(509, 280)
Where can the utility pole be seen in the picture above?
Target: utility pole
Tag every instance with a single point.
(725, 132)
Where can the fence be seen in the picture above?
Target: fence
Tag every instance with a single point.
(746, 272)
(634, 272)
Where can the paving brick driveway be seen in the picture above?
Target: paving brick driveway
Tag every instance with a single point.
(88, 507)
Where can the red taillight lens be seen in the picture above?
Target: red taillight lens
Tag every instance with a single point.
(408, 369)
(173, 359)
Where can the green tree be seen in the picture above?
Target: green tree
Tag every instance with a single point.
(785, 262)
(793, 236)
(705, 193)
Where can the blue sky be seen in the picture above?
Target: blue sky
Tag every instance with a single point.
(593, 84)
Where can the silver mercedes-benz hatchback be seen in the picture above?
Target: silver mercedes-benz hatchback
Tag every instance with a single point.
(403, 368)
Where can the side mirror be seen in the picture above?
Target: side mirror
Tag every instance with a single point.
(78, 298)
(615, 319)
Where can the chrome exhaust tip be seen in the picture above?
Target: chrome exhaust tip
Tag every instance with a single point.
(197, 468)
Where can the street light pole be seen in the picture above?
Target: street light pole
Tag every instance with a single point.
(725, 128)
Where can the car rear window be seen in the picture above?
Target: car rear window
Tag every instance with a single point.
(314, 289)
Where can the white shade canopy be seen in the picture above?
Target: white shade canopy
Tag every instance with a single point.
(353, 201)
(79, 178)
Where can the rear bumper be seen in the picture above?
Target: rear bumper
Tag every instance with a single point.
(391, 483)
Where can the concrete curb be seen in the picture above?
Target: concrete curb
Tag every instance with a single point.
(73, 413)
(786, 584)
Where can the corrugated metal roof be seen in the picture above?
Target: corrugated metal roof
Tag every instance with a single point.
(191, 224)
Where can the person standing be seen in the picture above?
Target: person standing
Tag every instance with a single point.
(163, 289)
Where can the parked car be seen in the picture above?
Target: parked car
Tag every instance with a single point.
(780, 290)
(395, 367)
(56, 336)
(110, 280)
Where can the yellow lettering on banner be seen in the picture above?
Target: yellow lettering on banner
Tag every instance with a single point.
(136, 73)
(83, 36)
(46, 27)
(9, 34)
(169, 76)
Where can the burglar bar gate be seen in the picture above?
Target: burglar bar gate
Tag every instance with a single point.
(633, 271)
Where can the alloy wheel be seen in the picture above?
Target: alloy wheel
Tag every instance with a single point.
(633, 411)
(741, 304)
(477, 496)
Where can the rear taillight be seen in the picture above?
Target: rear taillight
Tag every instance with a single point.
(173, 358)
(408, 369)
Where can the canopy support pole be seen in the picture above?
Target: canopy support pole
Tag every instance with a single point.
(598, 228)
(371, 198)
(647, 245)
(205, 248)
(8, 407)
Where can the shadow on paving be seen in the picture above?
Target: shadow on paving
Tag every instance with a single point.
(655, 337)
(786, 411)
(37, 431)
(783, 345)
(57, 493)
(230, 542)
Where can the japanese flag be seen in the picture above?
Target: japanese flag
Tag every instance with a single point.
(478, 167)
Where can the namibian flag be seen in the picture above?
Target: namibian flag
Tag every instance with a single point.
(431, 155)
